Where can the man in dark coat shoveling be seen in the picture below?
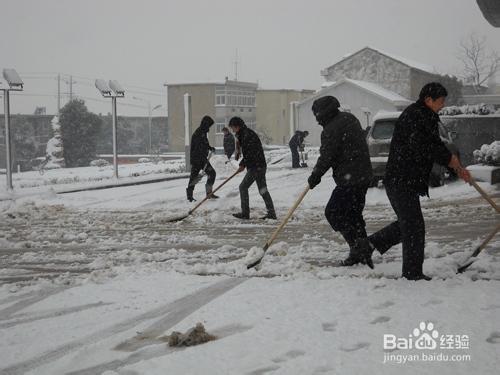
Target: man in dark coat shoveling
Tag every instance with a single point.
(200, 148)
(297, 143)
(345, 151)
(415, 147)
(255, 163)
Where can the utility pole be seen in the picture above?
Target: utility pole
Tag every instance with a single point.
(70, 88)
(59, 94)
(236, 66)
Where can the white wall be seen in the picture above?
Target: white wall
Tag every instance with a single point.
(348, 95)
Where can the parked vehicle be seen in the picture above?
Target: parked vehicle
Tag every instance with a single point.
(379, 141)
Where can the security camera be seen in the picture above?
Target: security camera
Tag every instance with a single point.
(117, 88)
(103, 87)
(13, 79)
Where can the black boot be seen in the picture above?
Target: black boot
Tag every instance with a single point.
(241, 215)
(269, 215)
(418, 277)
(212, 196)
(189, 193)
(361, 252)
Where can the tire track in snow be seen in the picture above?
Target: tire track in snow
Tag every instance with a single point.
(185, 305)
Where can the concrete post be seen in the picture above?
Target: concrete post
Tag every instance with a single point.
(187, 129)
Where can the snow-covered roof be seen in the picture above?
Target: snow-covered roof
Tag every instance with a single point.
(370, 87)
(403, 60)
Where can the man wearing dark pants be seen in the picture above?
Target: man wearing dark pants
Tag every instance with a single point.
(255, 163)
(199, 159)
(415, 147)
(345, 151)
(229, 143)
(296, 143)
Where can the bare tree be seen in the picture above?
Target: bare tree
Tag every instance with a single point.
(479, 64)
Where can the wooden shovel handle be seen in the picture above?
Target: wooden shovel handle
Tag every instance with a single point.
(484, 195)
(213, 191)
(287, 217)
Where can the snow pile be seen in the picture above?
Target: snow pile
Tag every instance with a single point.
(54, 150)
(99, 163)
(488, 154)
(194, 336)
(468, 109)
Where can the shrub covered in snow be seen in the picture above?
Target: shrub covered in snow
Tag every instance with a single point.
(99, 163)
(144, 160)
(54, 150)
(468, 109)
(488, 154)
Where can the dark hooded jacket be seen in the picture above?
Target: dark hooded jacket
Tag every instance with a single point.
(251, 148)
(229, 145)
(297, 139)
(343, 145)
(415, 147)
(199, 143)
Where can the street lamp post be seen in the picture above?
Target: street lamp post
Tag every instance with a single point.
(150, 121)
(113, 90)
(15, 84)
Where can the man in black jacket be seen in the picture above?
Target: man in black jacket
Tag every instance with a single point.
(199, 159)
(296, 143)
(415, 147)
(229, 145)
(255, 163)
(345, 151)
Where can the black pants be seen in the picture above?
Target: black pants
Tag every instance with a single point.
(344, 212)
(195, 177)
(408, 229)
(295, 157)
(258, 175)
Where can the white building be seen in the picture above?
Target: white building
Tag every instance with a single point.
(362, 99)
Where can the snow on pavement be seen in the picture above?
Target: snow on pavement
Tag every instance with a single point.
(90, 281)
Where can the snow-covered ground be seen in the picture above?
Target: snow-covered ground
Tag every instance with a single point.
(91, 281)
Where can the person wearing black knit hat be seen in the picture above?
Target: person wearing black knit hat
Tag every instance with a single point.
(255, 163)
(199, 159)
(415, 147)
(345, 151)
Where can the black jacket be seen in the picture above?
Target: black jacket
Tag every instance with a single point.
(251, 148)
(415, 147)
(199, 143)
(297, 139)
(344, 149)
(229, 145)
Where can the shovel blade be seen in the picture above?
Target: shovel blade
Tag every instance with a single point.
(178, 218)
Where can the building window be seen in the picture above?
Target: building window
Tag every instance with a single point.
(218, 127)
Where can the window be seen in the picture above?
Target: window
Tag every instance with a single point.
(383, 129)
(219, 126)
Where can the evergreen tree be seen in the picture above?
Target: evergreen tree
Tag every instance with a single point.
(79, 131)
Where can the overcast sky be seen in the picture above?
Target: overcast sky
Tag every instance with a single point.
(281, 43)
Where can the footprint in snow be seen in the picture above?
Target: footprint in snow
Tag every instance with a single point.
(432, 302)
(380, 319)
(384, 305)
(494, 338)
(263, 370)
(329, 326)
(289, 355)
(355, 347)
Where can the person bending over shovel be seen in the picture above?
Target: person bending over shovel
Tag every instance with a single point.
(415, 147)
(199, 159)
(255, 163)
(345, 151)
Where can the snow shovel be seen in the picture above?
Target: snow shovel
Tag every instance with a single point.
(484, 195)
(280, 227)
(478, 250)
(179, 218)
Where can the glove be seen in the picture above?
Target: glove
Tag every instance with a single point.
(237, 156)
(313, 180)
